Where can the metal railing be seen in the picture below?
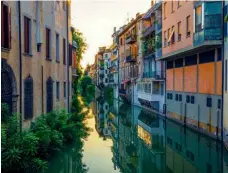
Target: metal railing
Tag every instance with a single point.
(159, 75)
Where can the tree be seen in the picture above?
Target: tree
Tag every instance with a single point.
(226, 18)
(80, 40)
(85, 82)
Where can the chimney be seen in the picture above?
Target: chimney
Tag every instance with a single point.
(114, 30)
(152, 3)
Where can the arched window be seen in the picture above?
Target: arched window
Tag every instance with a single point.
(28, 98)
(49, 94)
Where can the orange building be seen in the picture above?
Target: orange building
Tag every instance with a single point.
(192, 41)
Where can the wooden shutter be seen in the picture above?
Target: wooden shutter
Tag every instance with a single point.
(64, 51)
(28, 98)
(49, 95)
(9, 27)
(47, 43)
(25, 34)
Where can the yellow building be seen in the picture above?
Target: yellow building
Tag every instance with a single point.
(36, 56)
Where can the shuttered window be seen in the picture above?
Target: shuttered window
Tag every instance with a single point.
(48, 43)
(57, 91)
(5, 26)
(64, 51)
(64, 89)
(70, 54)
(28, 98)
(49, 95)
(57, 47)
(27, 32)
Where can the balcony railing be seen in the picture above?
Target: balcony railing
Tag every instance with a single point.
(158, 53)
(149, 30)
(158, 75)
(207, 35)
(211, 32)
(131, 39)
(131, 58)
(74, 72)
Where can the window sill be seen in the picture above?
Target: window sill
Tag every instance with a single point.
(57, 61)
(179, 40)
(48, 59)
(27, 54)
(5, 49)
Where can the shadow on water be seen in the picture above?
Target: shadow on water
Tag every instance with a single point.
(140, 142)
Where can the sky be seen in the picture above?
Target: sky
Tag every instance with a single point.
(97, 18)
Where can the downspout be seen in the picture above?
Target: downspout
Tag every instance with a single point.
(67, 63)
(223, 64)
(20, 66)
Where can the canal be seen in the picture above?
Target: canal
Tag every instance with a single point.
(130, 139)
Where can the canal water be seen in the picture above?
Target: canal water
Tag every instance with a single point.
(130, 139)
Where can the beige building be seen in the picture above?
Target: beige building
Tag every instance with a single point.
(36, 51)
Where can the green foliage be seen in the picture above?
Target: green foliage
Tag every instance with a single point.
(5, 113)
(28, 151)
(85, 82)
(226, 18)
(90, 90)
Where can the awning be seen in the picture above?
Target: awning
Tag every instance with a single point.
(171, 35)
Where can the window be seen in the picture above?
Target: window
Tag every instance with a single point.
(179, 63)
(171, 96)
(188, 99)
(178, 3)
(176, 97)
(169, 141)
(209, 102)
(169, 64)
(165, 10)
(27, 35)
(219, 103)
(179, 31)
(180, 97)
(192, 99)
(207, 57)
(226, 75)
(191, 60)
(64, 89)
(172, 6)
(173, 35)
(169, 32)
(28, 98)
(57, 91)
(64, 51)
(198, 19)
(57, 47)
(64, 4)
(165, 39)
(48, 43)
(219, 54)
(49, 95)
(6, 26)
(188, 32)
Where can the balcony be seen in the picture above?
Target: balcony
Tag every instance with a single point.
(211, 32)
(157, 75)
(131, 39)
(149, 30)
(123, 94)
(74, 72)
(131, 58)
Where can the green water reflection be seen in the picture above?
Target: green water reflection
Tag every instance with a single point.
(129, 139)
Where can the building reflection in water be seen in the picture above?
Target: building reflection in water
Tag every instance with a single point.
(143, 142)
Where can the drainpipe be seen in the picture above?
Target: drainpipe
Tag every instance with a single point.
(67, 63)
(20, 65)
(223, 64)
